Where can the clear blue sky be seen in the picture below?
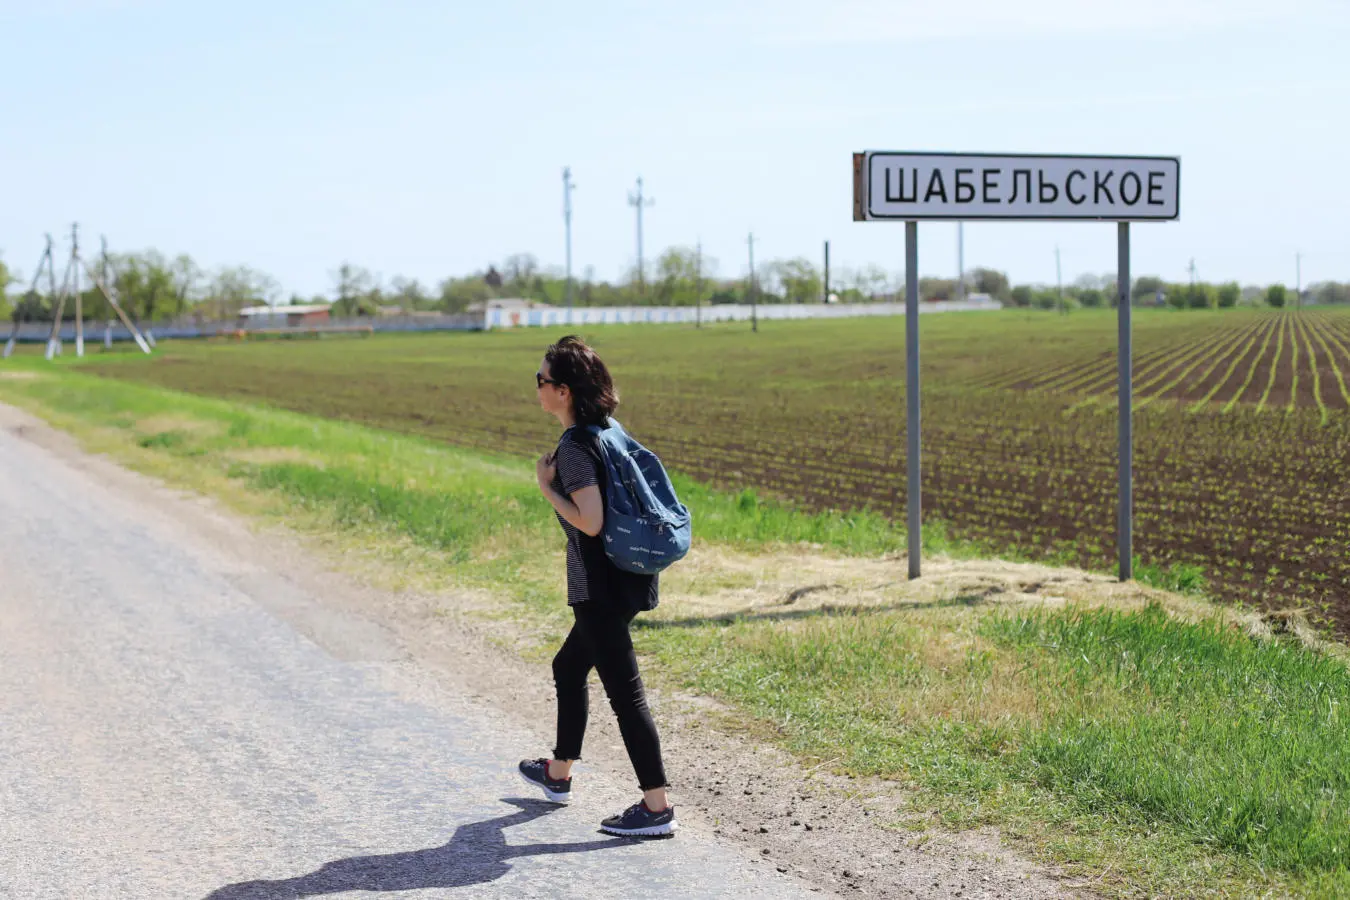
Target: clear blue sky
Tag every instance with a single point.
(427, 139)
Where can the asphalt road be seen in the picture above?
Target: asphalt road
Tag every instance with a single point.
(167, 730)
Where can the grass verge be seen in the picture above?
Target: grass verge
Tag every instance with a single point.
(1159, 755)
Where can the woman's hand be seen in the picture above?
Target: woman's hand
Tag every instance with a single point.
(545, 469)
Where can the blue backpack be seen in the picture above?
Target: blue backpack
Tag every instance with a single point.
(646, 527)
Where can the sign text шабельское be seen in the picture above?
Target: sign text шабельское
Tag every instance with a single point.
(916, 186)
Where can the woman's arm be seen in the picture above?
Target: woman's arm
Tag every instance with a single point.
(584, 509)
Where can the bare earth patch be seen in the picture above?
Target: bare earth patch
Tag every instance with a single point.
(722, 582)
(158, 424)
(264, 456)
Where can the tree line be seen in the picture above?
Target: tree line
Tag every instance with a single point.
(152, 287)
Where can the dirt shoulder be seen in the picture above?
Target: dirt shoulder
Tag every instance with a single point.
(827, 830)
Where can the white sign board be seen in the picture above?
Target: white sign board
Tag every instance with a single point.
(974, 186)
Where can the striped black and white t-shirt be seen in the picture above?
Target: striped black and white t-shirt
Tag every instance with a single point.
(590, 575)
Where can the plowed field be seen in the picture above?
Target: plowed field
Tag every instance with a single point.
(1275, 361)
(1242, 425)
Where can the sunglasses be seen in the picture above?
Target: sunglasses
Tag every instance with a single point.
(540, 381)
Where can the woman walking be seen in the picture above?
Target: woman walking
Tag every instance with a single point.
(575, 387)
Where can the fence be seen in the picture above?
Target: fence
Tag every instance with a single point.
(99, 332)
(722, 312)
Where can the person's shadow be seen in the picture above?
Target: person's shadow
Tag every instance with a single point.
(476, 853)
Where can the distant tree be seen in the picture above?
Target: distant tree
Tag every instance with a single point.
(991, 282)
(232, 288)
(677, 273)
(31, 307)
(870, 281)
(1045, 298)
(455, 294)
(798, 279)
(186, 277)
(1021, 295)
(1229, 294)
(6, 279)
(1176, 295)
(145, 285)
(1090, 297)
(353, 286)
(408, 293)
(1200, 295)
(1275, 295)
(937, 288)
(518, 270)
(1110, 292)
(1146, 288)
(1330, 292)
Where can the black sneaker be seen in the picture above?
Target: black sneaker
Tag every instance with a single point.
(535, 772)
(639, 820)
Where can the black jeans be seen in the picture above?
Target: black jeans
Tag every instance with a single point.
(599, 639)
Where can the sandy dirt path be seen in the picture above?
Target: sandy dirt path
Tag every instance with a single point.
(181, 720)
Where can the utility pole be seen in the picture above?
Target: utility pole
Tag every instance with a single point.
(1059, 279)
(961, 260)
(567, 223)
(1298, 278)
(754, 309)
(79, 300)
(28, 299)
(58, 306)
(639, 201)
(698, 284)
(1191, 269)
(103, 274)
(826, 297)
(72, 277)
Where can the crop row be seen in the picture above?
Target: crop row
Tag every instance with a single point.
(1282, 360)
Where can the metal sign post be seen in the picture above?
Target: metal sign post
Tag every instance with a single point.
(1125, 402)
(911, 187)
(913, 502)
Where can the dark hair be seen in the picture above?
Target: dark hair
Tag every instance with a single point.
(574, 364)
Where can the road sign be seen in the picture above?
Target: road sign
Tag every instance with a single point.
(972, 186)
(913, 187)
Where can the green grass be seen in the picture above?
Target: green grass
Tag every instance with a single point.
(1186, 756)
(1164, 756)
(1242, 746)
